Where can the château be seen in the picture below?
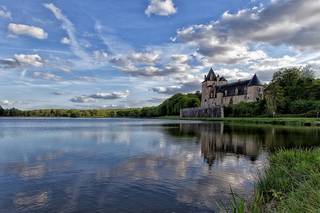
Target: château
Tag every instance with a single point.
(216, 91)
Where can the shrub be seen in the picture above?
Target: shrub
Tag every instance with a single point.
(303, 106)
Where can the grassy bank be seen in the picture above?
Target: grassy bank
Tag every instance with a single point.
(294, 121)
(291, 184)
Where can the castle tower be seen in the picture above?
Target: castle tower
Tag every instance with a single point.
(209, 89)
(208, 85)
(255, 89)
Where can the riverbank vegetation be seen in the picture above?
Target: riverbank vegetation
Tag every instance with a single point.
(291, 183)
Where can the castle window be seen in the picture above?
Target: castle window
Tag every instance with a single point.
(211, 94)
(241, 91)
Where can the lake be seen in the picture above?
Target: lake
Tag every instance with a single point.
(133, 165)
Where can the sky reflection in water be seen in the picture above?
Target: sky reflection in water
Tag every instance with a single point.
(118, 165)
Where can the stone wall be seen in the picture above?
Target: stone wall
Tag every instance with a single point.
(211, 112)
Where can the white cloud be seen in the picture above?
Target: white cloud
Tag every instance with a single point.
(152, 63)
(32, 60)
(46, 76)
(5, 13)
(22, 60)
(110, 96)
(65, 40)
(144, 57)
(6, 103)
(100, 96)
(100, 56)
(217, 48)
(21, 29)
(180, 58)
(161, 8)
(291, 22)
(167, 90)
(182, 83)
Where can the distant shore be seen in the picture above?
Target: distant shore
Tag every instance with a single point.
(284, 121)
(280, 121)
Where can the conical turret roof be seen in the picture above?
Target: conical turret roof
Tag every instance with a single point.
(255, 81)
(211, 76)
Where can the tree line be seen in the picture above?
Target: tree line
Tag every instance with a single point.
(170, 106)
(292, 91)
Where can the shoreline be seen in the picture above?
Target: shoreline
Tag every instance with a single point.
(291, 183)
(279, 121)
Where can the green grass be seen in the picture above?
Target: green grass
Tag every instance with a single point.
(285, 121)
(290, 184)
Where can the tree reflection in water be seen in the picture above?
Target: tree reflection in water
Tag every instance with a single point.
(219, 139)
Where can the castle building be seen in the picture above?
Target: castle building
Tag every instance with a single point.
(216, 91)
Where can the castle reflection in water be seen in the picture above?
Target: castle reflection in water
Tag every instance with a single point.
(217, 140)
(214, 144)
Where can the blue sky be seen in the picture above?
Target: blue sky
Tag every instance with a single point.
(104, 54)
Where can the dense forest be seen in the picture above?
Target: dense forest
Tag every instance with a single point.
(292, 92)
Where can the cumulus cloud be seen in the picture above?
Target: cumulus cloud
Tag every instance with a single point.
(5, 13)
(180, 58)
(110, 96)
(161, 8)
(33, 60)
(46, 76)
(21, 29)
(291, 22)
(217, 48)
(100, 96)
(152, 63)
(132, 59)
(22, 60)
(144, 57)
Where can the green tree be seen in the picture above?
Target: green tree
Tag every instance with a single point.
(291, 84)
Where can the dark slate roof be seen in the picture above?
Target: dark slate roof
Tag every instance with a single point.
(255, 81)
(232, 85)
(222, 79)
(211, 73)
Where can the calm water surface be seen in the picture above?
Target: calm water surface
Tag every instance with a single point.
(131, 165)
